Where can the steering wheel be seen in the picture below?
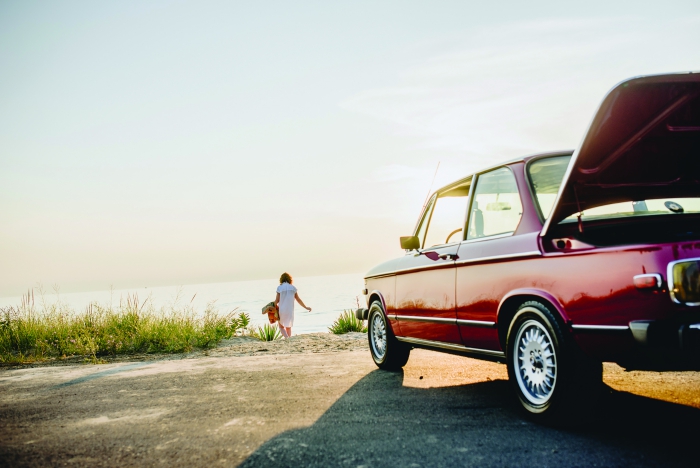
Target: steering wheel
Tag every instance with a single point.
(452, 234)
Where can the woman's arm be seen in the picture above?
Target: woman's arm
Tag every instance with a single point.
(277, 300)
(301, 303)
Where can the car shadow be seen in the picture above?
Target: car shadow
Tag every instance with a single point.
(380, 422)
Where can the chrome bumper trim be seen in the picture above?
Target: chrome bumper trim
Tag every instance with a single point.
(639, 330)
(654, 333)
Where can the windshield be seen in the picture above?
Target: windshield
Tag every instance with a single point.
(546, 175)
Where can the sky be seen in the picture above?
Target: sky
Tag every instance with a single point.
(160, 143)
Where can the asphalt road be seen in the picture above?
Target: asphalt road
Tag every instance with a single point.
(333, 409)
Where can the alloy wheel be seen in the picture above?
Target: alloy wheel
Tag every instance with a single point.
(378, 336)
(535, 362)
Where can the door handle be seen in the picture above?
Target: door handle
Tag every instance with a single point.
(449, 256)
(432, 255)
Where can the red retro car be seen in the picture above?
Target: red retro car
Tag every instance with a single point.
(557, 262)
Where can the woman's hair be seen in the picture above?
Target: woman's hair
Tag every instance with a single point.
(286, 278)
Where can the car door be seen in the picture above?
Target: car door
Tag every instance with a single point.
(490, 258)
(425, 283)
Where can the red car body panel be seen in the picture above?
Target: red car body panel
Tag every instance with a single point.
(461, 296)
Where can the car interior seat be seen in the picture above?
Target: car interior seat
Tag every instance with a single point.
(478, 219)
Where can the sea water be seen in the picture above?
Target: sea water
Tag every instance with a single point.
(328, 297)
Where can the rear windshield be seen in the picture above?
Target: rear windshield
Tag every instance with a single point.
(653, 207)
(545, 177)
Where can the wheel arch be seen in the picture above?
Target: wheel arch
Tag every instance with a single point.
(511, 301)
(376, 296)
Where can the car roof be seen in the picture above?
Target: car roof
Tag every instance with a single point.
(509, 162)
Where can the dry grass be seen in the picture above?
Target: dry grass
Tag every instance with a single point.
(31, 333)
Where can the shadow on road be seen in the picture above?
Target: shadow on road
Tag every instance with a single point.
(379, 422)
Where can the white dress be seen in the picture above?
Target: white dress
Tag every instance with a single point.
(286, 305)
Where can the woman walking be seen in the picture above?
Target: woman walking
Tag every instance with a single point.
(286, 294)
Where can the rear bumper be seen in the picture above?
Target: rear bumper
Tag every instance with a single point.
(667, 335)
(361, 314)
(645, 344)
(662, 345)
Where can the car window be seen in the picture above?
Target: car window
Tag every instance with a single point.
(496, 208)
(448, 216)
(545, 177)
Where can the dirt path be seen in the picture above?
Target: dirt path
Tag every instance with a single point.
(314, 403)
(238, 346)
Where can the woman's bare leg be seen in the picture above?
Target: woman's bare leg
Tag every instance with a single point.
(289, 332)
(284, 331)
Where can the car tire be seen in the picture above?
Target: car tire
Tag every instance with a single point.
(387, 352)
(553, 381)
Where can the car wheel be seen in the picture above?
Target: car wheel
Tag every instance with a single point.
(387, 352)
(552, 379)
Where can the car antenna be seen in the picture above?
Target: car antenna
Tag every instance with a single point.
(431, 185)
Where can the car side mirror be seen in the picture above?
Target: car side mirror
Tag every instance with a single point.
(410, 243)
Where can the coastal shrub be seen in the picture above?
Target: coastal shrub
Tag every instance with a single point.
(242, 322)
(346, 323)
(31, 332)
(267, 333)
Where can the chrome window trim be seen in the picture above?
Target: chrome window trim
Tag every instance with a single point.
(427, 206)
(476, 323)
(669, 280)
(601, 327)
(431, 207)
(451, 346)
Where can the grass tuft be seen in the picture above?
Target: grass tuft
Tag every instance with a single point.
(29, 333)
(267, 333)
(346, 323)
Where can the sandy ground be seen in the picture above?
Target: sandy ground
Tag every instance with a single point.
(237, 346)
(318, 400)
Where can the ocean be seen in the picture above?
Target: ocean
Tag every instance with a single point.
(327, 296)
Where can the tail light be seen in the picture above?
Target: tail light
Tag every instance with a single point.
(684, 281)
